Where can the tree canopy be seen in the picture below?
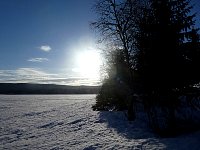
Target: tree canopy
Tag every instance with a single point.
(154, 53)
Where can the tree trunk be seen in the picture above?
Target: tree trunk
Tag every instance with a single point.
(131, 110)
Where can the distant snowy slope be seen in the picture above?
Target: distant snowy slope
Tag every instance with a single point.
(67, 122)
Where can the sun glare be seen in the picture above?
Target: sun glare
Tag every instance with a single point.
(88, 64)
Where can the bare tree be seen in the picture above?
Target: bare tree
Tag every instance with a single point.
(118, 24)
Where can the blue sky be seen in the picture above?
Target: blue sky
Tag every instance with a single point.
(40, 41)
(40, 38)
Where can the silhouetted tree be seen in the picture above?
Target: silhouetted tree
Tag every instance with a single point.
(165, 28)
(117, 25)
(112, 94)
(158, 53)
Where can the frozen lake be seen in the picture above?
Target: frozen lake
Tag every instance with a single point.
(68, 122)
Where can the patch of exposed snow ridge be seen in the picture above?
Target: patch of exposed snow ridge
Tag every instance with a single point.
(67, 122)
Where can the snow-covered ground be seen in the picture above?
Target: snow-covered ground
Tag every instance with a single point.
(56, 122)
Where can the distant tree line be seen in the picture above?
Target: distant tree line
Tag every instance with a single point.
(28, 88)
(152, 53)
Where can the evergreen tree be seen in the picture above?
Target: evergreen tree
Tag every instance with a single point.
(156, 56)
(165, 28)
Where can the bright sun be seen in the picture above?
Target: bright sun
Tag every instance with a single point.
(88, 64)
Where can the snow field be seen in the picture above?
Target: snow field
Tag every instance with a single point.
(55, 122)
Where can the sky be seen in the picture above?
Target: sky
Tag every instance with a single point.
(43, 41)
(49, 41)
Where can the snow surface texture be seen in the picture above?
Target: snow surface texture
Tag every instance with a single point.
(56, 122)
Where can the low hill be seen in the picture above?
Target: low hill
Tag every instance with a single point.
(27, 88)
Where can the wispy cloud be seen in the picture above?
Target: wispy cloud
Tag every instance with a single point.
(38, 59)
(31, 72)
(23, 75)
(45, 48)
(37, 75)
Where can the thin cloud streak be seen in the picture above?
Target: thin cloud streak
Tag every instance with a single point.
(45, 48)
(36, 75)
(38, 59)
